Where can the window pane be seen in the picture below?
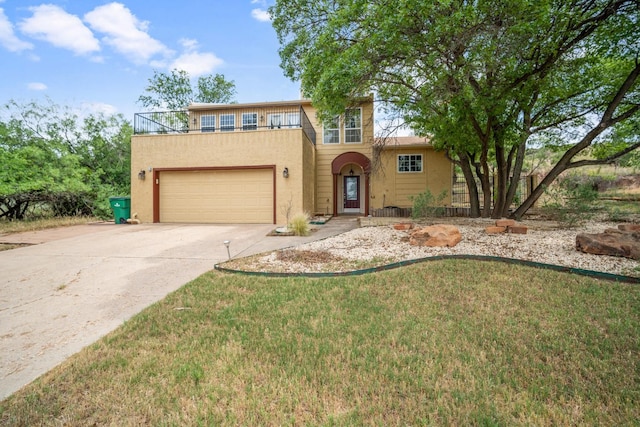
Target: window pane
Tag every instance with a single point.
(352, 119)
(293, 120)
(331, 136)
(208, 123)
(352, 125)
(410, 163)
(227, 122)
(332, 131)
(352, 135)
(274, 121)
(249, 121)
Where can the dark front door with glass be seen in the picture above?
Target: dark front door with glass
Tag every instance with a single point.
(352, 192)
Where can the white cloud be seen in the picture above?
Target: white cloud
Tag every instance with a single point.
(189, 45)
(37, 86)
(53, 25)
(125, 33)
(87, 108)
(261, 15)
(8, 38)
(193, 62)
(196, 64)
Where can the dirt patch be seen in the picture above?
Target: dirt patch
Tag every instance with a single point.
(9, 246)
(306, 256)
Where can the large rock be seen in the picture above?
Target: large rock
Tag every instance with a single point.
(613, 242)
(436, 235)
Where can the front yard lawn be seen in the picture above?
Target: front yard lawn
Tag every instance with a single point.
(447, 343)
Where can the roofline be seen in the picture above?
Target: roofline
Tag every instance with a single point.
(392, 142)
(292, 103)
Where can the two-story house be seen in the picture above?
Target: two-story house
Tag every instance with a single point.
(254, 163)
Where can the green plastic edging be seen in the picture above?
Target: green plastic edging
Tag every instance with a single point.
(578, 271)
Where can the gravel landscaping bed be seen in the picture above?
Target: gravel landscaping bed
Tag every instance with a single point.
(368, 247)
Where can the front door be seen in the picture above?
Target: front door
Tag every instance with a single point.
(352, 192)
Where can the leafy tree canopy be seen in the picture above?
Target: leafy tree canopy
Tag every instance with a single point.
(174, 91)
(484, 79)
(51, 158)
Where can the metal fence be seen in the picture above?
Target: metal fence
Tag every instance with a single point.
(460, 201)
(460, 192)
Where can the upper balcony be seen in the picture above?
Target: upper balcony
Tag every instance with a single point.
(227, 118)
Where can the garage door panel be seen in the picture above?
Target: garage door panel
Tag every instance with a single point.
(217, 196)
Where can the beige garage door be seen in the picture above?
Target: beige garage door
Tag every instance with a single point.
(217, 196)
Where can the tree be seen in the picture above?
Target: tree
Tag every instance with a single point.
(174, 91)
(484, 79)
(51, 159)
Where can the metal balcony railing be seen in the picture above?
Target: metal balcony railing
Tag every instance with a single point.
(160, 122)
(240, 119)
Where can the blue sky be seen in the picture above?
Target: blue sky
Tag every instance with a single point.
(98, 55)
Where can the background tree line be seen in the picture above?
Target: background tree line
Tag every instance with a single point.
(53, 162)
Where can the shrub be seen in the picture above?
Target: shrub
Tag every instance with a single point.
(299, 224)
(573, 201)
(426, 205)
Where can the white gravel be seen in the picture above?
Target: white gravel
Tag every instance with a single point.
(385, 245)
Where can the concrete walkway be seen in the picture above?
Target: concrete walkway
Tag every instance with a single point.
(76, 284)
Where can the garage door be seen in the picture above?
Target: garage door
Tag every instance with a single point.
(217, 196)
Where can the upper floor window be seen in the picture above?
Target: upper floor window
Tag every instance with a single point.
(274, 121)
(410, 163)
(249, 121)
(353, 125)
(227, 122)
(331, 131)
(207, 123)
(293, 120)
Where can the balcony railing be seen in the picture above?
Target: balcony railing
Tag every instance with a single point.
(161, 122)
(230, 119)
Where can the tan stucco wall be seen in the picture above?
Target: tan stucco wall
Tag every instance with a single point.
(326, 153)
(284, 148)
(392, 188)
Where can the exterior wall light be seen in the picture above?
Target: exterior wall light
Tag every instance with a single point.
(195, 121)
(142, 175)
(285, 173)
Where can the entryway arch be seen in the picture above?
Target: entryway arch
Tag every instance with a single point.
(349, 186)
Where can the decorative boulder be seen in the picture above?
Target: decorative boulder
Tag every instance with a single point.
(436, 235)
(403, 226)
(612, 242)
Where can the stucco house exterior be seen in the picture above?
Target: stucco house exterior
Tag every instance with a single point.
(253, 163)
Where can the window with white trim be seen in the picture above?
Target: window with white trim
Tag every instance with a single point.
(293, 120)
(249, 121)
(207, 123)
(353, 126)
(227, 122)
(409, 162)
(331, 131)
(274, 121)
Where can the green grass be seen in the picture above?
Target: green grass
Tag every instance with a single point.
(440, 343)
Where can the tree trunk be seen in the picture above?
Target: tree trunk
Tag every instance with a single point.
(465, 165)
(500, 191)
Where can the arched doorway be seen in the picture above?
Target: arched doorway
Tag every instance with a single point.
(351, 183)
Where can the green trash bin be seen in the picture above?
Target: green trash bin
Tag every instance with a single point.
(121, 209)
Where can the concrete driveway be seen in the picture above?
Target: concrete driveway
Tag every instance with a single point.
(80, 283)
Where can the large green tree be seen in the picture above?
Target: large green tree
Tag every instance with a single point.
(52, 159)
(175, 91)
(484, 79)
